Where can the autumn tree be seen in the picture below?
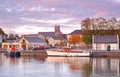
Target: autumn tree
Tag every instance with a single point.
(74, 39)
(61, 43)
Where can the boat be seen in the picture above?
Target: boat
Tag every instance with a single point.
(12, 54)
(66, 52)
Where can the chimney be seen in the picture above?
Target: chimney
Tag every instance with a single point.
(57, 30)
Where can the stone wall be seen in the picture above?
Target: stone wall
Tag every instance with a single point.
(106, 54)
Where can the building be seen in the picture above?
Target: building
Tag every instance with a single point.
(9, 43)
(31, 42)
(75, 32)
(106, 42)
(56, 41)
(24, 43)
(53, 38)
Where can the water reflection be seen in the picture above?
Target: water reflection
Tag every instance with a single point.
(76, 66)
(59, 67)
(106, 67)
(74, 63)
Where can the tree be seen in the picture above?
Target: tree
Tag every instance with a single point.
(16, 36)
(74, 39)
(61, 43)
(13, 36)
(46, 40)
(86, 23)
(1, 31)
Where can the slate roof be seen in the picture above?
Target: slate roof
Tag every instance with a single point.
(35, 39)
(105, 39)
(58, 38)
(76, 32)
(50, 34)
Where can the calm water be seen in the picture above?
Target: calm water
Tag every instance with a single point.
(59, 67)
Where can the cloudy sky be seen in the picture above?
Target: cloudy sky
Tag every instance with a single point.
(33, 16)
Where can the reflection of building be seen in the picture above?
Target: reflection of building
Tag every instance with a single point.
(103, 42)
(1, 57)
(104, 67)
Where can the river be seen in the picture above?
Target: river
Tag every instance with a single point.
(59, 67)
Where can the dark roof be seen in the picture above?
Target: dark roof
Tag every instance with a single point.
(58, 38)
(50, 34)
(35, 39)
(105, 39)
(76, 32)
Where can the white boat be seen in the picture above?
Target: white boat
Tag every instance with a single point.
(69, 53)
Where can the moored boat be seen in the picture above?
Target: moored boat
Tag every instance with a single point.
(13, 52)
(68, 52)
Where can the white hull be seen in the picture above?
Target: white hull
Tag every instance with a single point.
(58, 53)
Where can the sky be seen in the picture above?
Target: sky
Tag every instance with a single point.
(33, 16)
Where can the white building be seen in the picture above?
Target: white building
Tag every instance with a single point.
(106, 42)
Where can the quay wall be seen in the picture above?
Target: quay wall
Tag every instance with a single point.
(36, 53)
(106, 54)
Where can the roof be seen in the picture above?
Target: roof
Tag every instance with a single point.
(30, 35)
(58, 38)
(35, 39)
(50, 34)
(76, 32)
(105, 39)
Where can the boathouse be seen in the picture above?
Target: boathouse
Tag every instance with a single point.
(31, 42)
(106, 42)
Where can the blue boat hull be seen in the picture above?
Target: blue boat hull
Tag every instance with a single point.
(14, 54)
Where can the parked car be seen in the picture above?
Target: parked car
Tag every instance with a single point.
(39, 48)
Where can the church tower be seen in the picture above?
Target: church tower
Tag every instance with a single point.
(57, 30)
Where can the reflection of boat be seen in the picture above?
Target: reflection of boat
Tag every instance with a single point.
(67, 52)
(13, 54)
(74, 63)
